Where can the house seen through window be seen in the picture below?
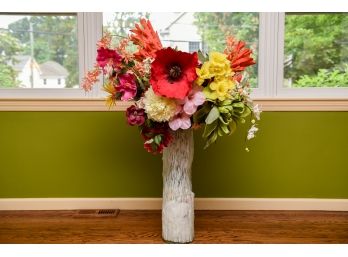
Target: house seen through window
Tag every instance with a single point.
(38, 51)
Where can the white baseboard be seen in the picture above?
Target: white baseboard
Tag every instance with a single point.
(155, 204)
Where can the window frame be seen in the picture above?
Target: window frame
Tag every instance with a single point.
(270, 92)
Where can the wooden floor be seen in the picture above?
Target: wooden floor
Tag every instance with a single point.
(145, 227)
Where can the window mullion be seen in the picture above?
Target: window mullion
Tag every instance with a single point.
(270, 53)
(280, 53)
(262, 58)
(81, 45)
(90, 31)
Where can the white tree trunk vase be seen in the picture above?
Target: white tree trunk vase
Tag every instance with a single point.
(178, 198)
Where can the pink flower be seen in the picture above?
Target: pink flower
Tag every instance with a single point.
(106, 55)
(180, 121)
(187, 107)
(135, 116)
(194, 99)
(127, 86)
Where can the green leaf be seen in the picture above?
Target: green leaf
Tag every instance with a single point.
(202, 58)
(213, 115)
(223, 121)
(220, 132)
(209, 128)
(246, 112)
(225, 109)
(225, 129)
(131, 64)
(226, 102)
(200, 115)
(212, 138)
(238, 107)
(140, 82)
(157, 139)
(233, 126)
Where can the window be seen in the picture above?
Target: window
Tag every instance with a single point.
(45, 47)
(36, 46)
(194, 46)
(316, 50)
(298, 55)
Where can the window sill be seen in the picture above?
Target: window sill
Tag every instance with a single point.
(267, 104)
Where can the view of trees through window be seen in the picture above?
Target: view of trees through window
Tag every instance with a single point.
(316, 50)
(192, 31)
(38, 51)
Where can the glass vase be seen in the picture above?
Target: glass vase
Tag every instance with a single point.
(178, 198)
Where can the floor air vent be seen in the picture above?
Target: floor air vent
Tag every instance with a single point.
(109, 212)
(98, 213)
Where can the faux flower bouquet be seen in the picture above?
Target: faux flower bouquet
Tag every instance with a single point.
(172, 90)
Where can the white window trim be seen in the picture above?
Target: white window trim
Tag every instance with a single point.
(270, 93)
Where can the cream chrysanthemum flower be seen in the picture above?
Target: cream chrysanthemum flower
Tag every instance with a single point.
(158, 108)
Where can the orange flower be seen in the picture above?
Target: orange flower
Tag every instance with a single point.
(122, 49)
(139, 67)
(146, 39)
(90, 79)
(105, 41)
(238, 55)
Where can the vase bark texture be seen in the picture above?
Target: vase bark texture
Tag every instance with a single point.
(178, 198)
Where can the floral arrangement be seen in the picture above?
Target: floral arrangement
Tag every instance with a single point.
(172, 90)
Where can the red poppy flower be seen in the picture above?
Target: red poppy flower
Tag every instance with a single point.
(238, 54)
(173, 72)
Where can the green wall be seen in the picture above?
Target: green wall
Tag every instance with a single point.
(95, 154)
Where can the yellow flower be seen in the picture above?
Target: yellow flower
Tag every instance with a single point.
(219, 65)
(220, 89)
(158, 108)
(203, 73)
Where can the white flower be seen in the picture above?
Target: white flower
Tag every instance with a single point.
(149, 141)
(159, 108)
(251, 132)
(257, 111)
